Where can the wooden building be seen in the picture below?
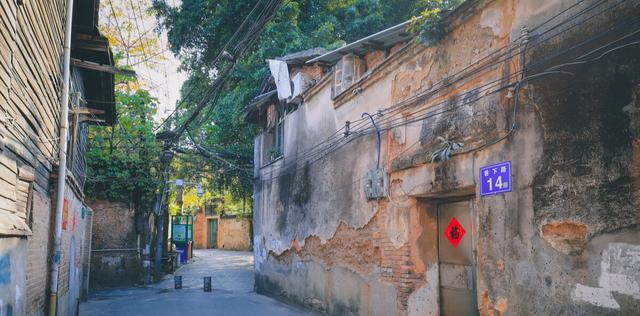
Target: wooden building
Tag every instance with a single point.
(31, 69)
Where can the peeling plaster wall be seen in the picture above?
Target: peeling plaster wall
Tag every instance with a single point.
(336, 291)
(564, 241)
(13, 255)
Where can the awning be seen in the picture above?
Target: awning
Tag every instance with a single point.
(101, 67)
(301, 57)
(92, 55)
(378, 41)
(253, 110)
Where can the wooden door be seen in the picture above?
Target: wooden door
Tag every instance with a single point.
(456, 258)
(213, 233)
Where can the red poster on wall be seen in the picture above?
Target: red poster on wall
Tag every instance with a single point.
(65, 214)
(454, 232)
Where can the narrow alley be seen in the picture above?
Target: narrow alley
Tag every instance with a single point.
(232, 294)
(320, 157)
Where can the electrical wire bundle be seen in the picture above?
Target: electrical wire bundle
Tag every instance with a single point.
(261, 14)
(396, 115)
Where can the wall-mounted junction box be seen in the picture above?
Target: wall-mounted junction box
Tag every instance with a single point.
(376, 184)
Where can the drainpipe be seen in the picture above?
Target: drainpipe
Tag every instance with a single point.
(62, 160)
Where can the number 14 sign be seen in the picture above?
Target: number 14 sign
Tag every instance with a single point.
(496, 179)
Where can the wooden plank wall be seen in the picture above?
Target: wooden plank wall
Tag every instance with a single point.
(31, 44)
(31, 38)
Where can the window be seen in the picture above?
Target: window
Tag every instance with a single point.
(210, 210)
(347, 72)
(273, 140)
(280, 131)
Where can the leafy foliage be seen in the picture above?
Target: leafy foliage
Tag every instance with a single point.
(427, 26)
(123, 160)
(191, 203)
(447, 148)
(199, 29)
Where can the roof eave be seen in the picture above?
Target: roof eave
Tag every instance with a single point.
(369, 41)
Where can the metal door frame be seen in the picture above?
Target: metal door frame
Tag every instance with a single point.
(474, 224)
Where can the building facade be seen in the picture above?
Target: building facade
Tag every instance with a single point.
(31, 51)
(493, 172)
(214, 229)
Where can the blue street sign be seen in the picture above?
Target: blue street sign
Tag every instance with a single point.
(496, 179)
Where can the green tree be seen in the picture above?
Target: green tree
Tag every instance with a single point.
(427, 25)
(199, 29)
(123, 160)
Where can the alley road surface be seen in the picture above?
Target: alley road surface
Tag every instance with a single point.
(232, 274)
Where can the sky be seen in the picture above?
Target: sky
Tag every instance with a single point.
(164, 80)
(157, 72)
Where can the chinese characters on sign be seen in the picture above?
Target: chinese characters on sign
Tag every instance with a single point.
(496, 179)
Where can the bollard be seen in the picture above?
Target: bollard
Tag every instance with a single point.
(177, 282)
(207, 284)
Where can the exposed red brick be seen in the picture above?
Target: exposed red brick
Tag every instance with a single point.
(374, 58)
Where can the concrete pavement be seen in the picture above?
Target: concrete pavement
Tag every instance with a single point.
(232, 274)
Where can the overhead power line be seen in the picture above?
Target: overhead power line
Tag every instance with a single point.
(261, 14)
(335, 141)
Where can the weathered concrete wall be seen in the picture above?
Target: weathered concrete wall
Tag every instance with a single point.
(234, 233)
(564, 241)
(115, 253)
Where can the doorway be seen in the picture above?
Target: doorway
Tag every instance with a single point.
(213, 233)
(457, 236)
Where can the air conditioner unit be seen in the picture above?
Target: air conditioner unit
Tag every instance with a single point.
(300, 84)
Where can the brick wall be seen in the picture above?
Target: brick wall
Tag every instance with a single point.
(314, 72)
(86, 254)
(75, 228)
(200, 235)
(234, 233)
(374, 58)
(366, 251)
(396, 48)
(115, 258)
(37, 254)
(40, 247)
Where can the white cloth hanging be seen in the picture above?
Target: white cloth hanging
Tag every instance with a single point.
(280, 73)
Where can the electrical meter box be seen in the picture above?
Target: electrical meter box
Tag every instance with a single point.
(376, 184)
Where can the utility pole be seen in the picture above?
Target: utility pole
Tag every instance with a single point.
(167, 156)
(251, 34)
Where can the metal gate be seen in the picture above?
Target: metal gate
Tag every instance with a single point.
(456, 258)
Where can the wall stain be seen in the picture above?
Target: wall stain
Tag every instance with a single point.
(5, 269)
